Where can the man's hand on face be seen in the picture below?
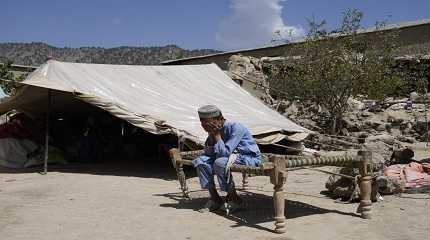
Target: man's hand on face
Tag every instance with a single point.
(208, 127)
(213, 129)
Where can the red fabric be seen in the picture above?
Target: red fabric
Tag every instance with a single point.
(17, 127)
(14, 130)
(413, 174)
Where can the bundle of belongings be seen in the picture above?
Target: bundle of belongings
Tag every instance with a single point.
(413, 177)
(399, 174)
(21, 143)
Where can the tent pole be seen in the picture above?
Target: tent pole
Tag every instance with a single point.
(48, 116)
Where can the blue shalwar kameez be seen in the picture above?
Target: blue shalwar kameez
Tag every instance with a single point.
(237, 139)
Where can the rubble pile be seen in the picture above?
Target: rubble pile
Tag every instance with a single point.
(248, 73)
(404, 125)
(404, 120)
(384, 127)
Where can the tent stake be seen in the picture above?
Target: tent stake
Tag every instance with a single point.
(48, 116)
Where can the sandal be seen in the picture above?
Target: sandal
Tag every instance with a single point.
(232, 207)
(211, 206)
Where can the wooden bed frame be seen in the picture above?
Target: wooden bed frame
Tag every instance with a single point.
(275, 166)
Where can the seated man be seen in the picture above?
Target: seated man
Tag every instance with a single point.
(227, 143)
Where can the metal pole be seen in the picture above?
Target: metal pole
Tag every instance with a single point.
(48, 116)
(427, 125)
(426, 117)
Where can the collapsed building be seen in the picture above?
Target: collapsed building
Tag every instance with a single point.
(414, 46)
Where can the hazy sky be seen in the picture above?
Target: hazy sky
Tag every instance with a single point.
(219, 24)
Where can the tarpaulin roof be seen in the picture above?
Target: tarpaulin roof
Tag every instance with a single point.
(158, 99)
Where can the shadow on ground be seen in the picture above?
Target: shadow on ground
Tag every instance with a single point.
(258, 208)
(144, 169)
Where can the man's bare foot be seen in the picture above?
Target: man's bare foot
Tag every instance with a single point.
(233, 197)
(215, 196)
(233, 202)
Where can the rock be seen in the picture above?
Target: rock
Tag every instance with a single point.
(397, 117)
(385, 138)
(375, 124)
(381, 153)
(397, 106)
(406, 139)
(425, 137)
(273, 60)
(420, 125)
(414, 96)
(344, 188)
(360, 134)
(395, 132)
(352, 124)
(309, 124)
(344, 132)
(257, 63)
(389, 185)
(341, 187)
(355, 105)
(247, 71)
(408, 125)
(381, 128)
(389, 99)
(406, 129)
(367, 114)
(418, 107)
(369, 104)
(381, 147)
(293, 109)
(282, 106)
(372, 132)
(389, 128)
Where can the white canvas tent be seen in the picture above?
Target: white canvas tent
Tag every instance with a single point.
(158, 99)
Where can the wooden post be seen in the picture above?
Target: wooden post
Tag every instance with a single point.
(48, 116)
(245, 182)
(176, 161)
(365, 184)
(278, 178)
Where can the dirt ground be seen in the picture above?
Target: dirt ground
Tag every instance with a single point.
(140, 201)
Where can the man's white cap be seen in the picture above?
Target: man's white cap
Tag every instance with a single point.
(209, 111)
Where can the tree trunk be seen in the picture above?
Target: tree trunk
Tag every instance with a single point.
(334, 125)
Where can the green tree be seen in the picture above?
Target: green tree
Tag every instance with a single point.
(331, 67)
(9, 80)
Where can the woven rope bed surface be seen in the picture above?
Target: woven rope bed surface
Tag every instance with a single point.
(292, 161)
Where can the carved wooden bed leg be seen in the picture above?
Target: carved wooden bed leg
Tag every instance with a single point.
(182, 180)
(365, 206)
(278, 179)
(245, 181)
(176, 161)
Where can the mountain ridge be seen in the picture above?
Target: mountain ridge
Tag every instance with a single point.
(36, 53)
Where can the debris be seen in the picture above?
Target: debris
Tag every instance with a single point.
(389, 185)
(402, 118)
